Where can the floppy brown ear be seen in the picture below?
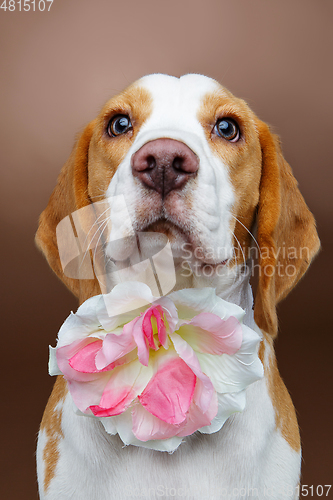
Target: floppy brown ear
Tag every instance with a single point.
(69, 195)
(287, 233)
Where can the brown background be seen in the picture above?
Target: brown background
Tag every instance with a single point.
(57, 69)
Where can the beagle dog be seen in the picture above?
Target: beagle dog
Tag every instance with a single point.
(195, 164)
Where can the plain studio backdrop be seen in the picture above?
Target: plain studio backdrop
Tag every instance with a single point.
(57, 70)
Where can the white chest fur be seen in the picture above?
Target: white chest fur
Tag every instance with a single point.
(248, 458)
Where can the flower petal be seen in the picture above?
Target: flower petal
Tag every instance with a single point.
(124, 428)
(84, 360)
(186, 352)
(147, 426)
(123, 302)
(53, 364)
(89, 392)
(193, 300)
(196, 418)
(83, 322)
(141, 342)
(170, 312)
(67, 352)
(228, 404)
(116, 346)
(169, 393)
(153, 316)
(124, 385)
(208, 333)
(234, 373)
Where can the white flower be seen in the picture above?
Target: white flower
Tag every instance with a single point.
(156, 370)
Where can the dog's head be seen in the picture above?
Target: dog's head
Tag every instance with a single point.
(195, 163)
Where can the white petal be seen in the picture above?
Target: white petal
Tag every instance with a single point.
(124, 303)
(53, 365)
(193, 300)
(80, 324)
(109, 425)
(228, 405)
(124, 429)
(234, 373)
(127, 296)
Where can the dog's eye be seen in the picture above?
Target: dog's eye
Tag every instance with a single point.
(119, 124)
(228, 129)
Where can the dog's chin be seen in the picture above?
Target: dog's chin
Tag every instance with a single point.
(184, 245)
(176, 236)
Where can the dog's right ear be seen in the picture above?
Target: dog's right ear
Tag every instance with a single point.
(69, 195)
(287, 234)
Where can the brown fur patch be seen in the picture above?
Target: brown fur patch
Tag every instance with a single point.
(284, 222)
(285, 415)
(69, 195)
(51, 425)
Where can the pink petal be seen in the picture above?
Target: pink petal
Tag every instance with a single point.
(86, 388)
(208, 333)
(120, 401)
(64, 354)
(146, 426)
(84, 360)
(88, 393)
(186, 352)
(170, 313)
(169, 393)
(124, 385)
(147, 327)
(141, 342)
(196, 418)
(116, 346)
(162, 333)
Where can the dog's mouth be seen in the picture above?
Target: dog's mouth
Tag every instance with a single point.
(170, 249)
(185, 246)
(176, 235)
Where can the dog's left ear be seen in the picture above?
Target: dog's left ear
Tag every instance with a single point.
(69, 196)
(286, 235)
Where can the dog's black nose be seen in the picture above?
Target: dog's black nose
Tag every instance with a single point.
(164, 165)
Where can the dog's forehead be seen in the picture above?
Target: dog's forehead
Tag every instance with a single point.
(188, 91)
(175, 98)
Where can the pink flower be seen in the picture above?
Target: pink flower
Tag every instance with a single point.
(156, 370)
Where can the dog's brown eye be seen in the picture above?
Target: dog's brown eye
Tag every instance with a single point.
(228, 129)
(119, 124)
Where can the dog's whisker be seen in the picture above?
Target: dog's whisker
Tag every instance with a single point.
(95, 223)
(101, 227)
(240, 247)
(98, 196)
(251, 234)
(96, 247)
